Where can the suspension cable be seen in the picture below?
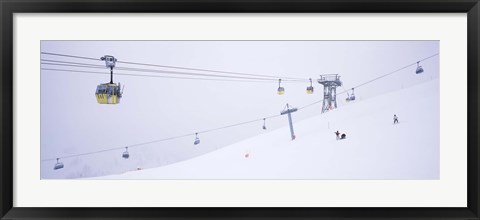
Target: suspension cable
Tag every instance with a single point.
(177, 67)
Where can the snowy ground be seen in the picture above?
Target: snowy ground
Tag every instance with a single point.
(375, 148)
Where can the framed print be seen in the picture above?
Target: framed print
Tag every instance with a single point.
(231, 109)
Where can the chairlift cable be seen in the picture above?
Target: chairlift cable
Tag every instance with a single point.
(160, 140)
(390, 73)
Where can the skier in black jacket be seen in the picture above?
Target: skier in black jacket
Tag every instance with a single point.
(395, 119)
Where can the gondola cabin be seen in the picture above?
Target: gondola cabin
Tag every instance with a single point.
(280, 89)
(310, 90)
(108, 93)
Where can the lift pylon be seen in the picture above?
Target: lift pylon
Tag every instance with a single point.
(330, 83)
(288, 110)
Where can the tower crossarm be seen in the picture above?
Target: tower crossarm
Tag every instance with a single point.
(288, 111)
(330, 80)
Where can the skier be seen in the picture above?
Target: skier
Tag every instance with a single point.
(395, 119)
(338, 135)
(343, 136)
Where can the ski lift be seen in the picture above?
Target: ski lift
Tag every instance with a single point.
(125, 154)
(310, 88)
(109, 93)
(264, 127)
(197, 140)
(58, 165)
(419, 68)
(351, 97)
(280, 89)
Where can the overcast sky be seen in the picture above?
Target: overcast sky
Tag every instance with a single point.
(156, 108)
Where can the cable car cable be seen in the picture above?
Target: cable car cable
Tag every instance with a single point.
(177, 67)
(86, 65)
(67, 62)
(208, 70)
(156, 76)
(72, 56)
(159, 71)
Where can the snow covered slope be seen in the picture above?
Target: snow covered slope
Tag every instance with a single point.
(375, 148)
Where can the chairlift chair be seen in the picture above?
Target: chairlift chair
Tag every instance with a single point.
(419, 68)
(58, 165)
(351, 97)
(264, 127)
(197, 140)
(125, 154)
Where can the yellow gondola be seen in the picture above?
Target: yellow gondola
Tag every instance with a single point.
(109, 93)
(310, 88)
(280, 89)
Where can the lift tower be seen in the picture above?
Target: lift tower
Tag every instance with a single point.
(330, 83)
(288, 110)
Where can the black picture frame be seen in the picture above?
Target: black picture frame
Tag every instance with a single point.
(9, 7)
